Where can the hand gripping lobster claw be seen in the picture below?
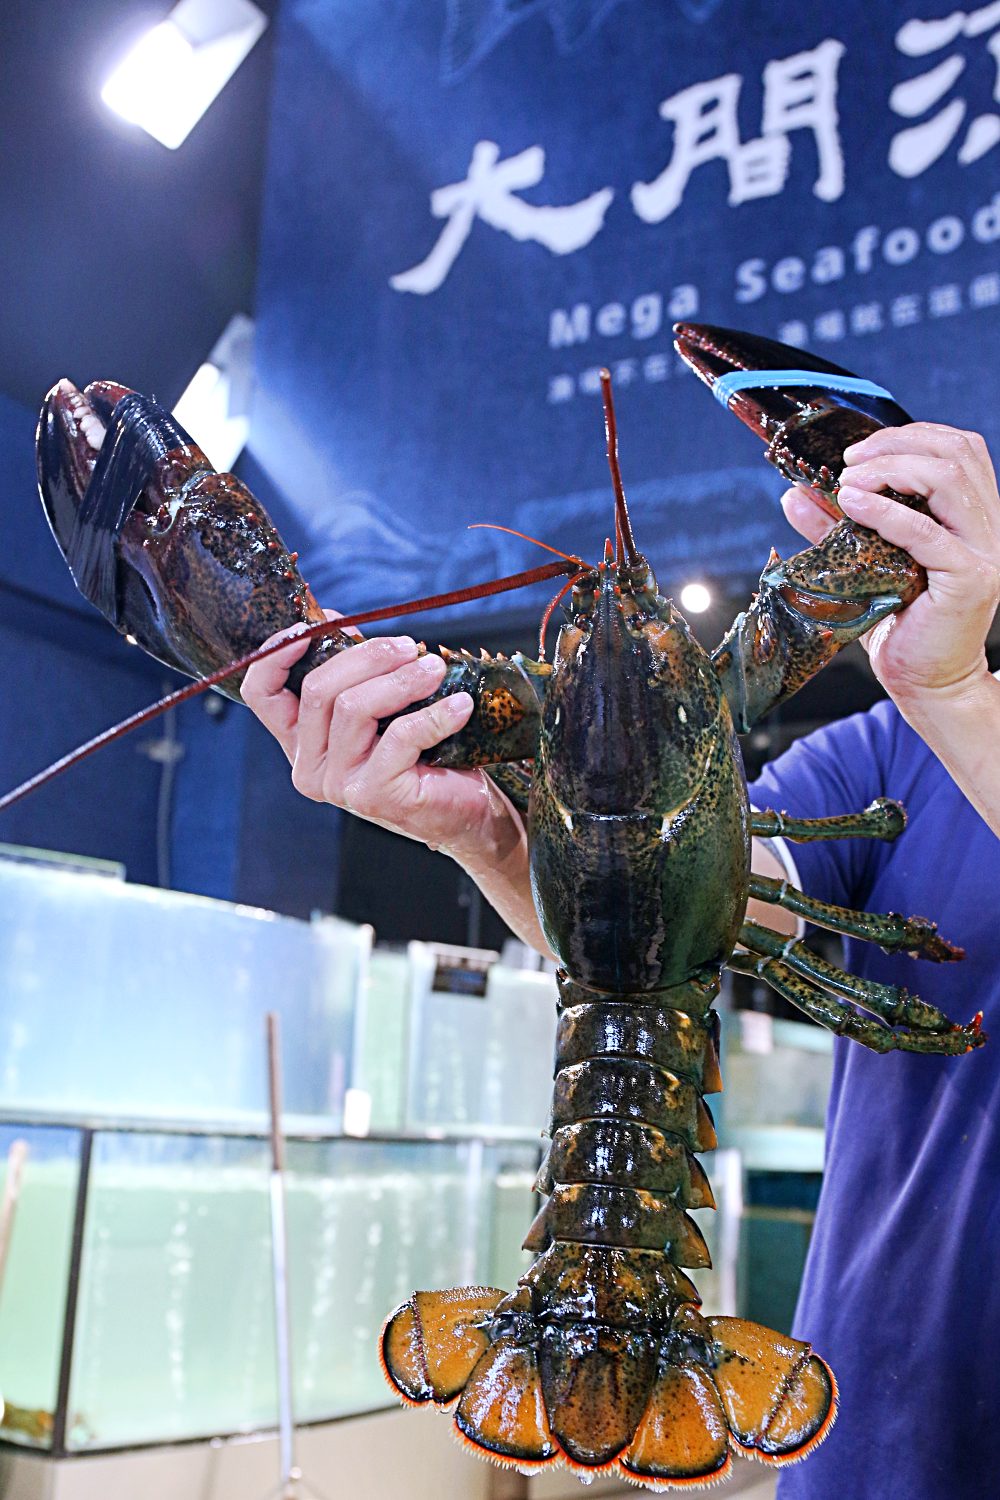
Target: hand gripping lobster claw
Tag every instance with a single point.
(182, 559)
(808, 411)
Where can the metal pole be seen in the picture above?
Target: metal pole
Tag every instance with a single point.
(290, 1473)
(61, 1420)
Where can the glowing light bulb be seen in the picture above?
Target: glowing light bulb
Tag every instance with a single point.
(695, 598)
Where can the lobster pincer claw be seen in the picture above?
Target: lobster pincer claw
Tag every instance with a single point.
(182, 559)
(808, 411)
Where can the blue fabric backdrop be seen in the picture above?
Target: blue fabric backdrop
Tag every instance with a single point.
(473, 204)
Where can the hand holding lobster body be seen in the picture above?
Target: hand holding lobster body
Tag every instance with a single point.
(638, 837)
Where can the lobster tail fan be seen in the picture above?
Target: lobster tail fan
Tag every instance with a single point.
(431, 1344)
(779, 1398)
(502, 1407)
(561, 1371)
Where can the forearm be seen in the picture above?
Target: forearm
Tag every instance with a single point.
(961, 724)
(498, 863)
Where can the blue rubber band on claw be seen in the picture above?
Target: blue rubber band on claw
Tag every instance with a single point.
(726, 386)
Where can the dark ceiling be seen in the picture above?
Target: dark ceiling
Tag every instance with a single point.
(120, 258)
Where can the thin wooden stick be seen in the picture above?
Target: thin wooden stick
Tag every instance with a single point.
(16, 1158)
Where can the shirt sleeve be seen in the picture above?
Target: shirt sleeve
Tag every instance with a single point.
(838, 769)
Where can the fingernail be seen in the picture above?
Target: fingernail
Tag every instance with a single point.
(847, 494)
(458, 703)
(404, 644)
(432, 665)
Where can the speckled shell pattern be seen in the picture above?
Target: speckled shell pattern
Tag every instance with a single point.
(508, 693)
(640, 850)
(184, 560)
(210, 582)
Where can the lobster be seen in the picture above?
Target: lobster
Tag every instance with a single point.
(623, 754)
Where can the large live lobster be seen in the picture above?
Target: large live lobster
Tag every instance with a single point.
(624, 755)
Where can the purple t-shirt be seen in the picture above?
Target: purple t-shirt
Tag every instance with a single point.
(901, 1293)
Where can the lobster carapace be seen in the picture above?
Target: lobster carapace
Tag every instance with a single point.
(624, 755)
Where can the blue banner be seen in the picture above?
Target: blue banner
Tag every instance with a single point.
(473, 205)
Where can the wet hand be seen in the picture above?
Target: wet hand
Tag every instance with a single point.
(935, 648)
(331, 738)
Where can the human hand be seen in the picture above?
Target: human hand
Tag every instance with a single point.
(331, 738)
(935, 648)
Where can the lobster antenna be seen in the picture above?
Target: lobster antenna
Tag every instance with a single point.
(298, 633)
(623, 526)
(551, 606)
(495, 526)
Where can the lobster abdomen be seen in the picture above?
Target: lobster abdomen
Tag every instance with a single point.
(627, 1118)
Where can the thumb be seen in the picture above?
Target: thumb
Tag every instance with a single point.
(804, 512)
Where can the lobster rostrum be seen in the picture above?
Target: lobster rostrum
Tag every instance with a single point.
(625, 757)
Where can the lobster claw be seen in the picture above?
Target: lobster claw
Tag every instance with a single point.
(182, 559)
(808, 411)
(806, 425)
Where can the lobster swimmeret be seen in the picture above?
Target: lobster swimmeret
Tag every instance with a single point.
(624, 755)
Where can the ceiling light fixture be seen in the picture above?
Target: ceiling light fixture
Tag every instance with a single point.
(175, 70)
(215, 407)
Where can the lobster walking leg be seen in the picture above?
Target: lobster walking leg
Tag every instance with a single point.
(884, 819)
(893, 932)
(838, 1017)
(890, 1001)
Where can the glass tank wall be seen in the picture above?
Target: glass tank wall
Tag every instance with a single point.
(39, 1174)
(157, 999)
(170, 1300)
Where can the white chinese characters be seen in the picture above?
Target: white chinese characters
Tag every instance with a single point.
(918, 147)
(488, 193)
(800, 93)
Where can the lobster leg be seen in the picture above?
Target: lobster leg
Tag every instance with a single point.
(514, 780)
(891, 1002)
(841, 1019)
(884, 819)
(810, 606)
(893, 932)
